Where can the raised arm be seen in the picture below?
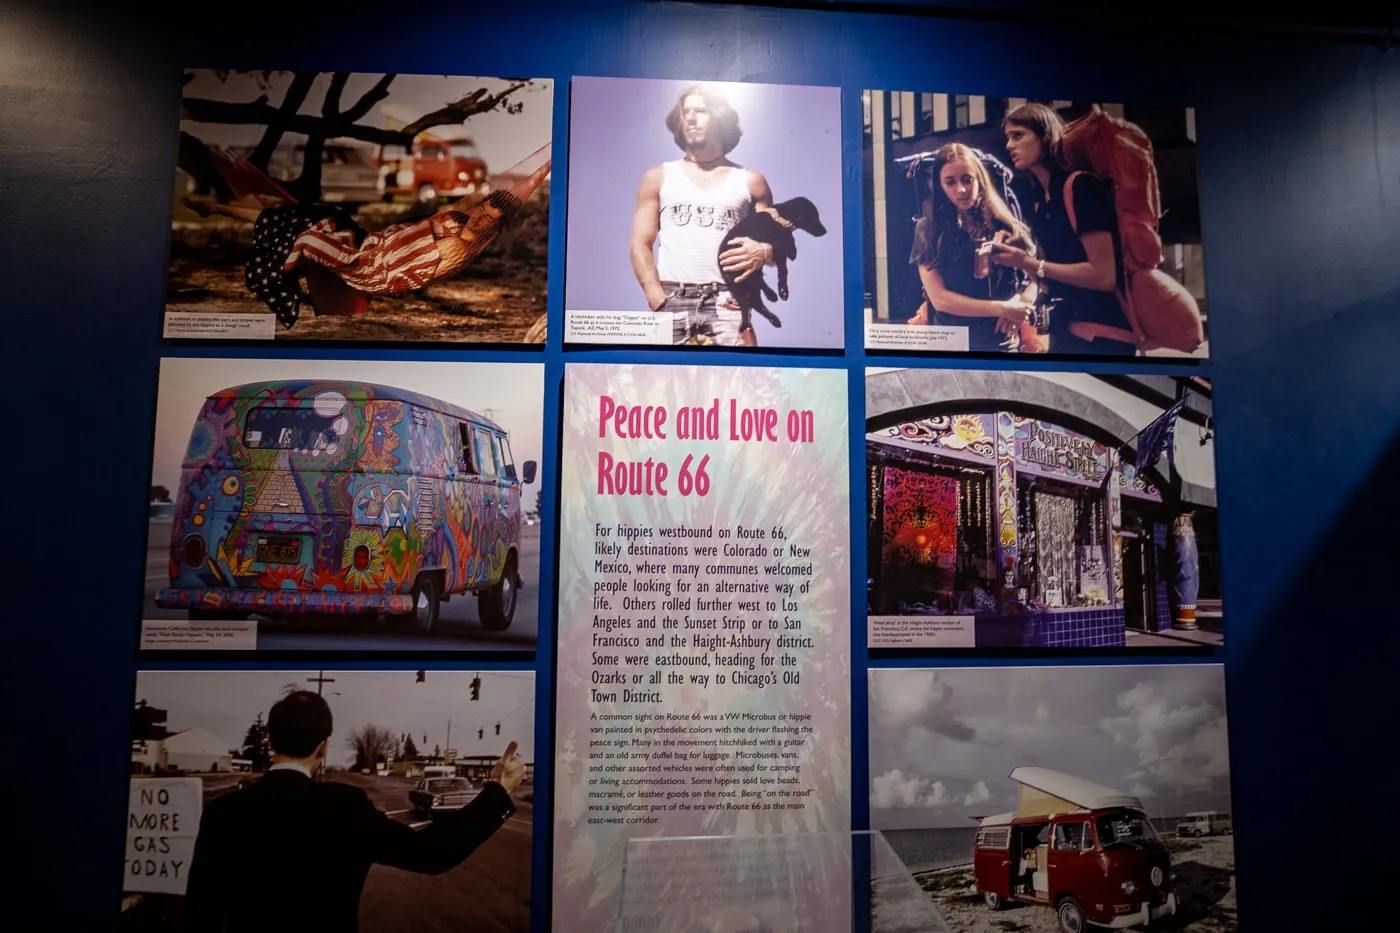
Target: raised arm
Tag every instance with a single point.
(451, 838)
(646, 223)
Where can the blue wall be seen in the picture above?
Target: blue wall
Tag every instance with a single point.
(1300, 172)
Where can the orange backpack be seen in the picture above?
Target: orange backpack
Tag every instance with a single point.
(1160, 311)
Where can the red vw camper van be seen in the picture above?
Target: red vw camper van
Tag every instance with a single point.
(1086, 851)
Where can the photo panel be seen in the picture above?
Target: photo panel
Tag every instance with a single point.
(704, 214)
(1024, 225)
(360, 207)
(1044, 798)
(313, 505)
(704, 677)
(1041, 510)
(322, 799)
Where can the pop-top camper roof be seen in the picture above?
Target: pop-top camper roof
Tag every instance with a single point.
(1044, 792)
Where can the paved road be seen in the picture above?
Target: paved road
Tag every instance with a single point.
(459, 624)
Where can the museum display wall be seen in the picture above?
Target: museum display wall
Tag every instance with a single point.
(516, 384)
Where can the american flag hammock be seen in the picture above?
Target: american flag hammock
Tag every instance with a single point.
(292, 241)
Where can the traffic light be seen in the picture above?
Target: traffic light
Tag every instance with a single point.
(476, 688)
(480, 734)
(498, 728)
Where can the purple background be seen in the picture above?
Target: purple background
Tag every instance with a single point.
(791, 134)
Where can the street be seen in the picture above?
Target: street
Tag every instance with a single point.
(458, 625)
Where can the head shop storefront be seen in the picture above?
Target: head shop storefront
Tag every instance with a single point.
(1045, 534)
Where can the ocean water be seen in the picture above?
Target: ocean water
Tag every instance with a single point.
(927, 849)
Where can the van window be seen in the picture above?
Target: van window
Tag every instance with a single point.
(509, 461)
(1073, 837)
(465, 460)
(484, 456)
(994, 837)
(268, 428)
(502, 464)
(1128, 826)
(433, 152)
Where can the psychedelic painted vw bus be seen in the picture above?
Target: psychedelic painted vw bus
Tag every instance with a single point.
(311, 498)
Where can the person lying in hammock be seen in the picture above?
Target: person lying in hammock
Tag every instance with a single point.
(292, 241)
(400, 258)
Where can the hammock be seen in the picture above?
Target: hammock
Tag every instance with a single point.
(342, 267)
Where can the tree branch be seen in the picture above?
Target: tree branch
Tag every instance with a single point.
(371, 97)
(477, 101)
(259, 113)
(330, 107)
(261, 156)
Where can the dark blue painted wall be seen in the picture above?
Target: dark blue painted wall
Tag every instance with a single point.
(1300, 173)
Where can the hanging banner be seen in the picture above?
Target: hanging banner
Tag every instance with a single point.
(704, 676)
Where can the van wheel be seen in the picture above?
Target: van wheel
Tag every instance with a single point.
(1070, 915)
(425, 604)
(427, 194)
(496, 606)
(993, 900)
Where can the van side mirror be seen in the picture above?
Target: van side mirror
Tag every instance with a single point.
(530, 466)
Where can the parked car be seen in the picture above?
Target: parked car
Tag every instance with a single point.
(435, 795)
(310, 497)
(432, 168)
(1086, 851)
(1205, 823)
(349, 175)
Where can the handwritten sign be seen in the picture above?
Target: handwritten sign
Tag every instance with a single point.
(161, 825)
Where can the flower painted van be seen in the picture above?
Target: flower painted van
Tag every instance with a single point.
(309, 498)
(1086, 851)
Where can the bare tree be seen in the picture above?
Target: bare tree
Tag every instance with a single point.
(370, 744)
(331, 123)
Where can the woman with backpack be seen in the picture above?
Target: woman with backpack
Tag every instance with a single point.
(1078, 262)
(961, 218)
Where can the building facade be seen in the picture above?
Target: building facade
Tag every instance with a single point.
(1013, 498)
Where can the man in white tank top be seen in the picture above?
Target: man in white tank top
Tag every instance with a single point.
(691, 203)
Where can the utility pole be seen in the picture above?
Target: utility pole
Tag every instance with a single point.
(320, 680)
(449, 735)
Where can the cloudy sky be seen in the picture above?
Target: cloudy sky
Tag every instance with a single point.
(943, 743)
(511, 394)
(503, 138)
(226, 702)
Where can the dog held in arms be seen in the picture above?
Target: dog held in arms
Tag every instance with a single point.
(774, 226)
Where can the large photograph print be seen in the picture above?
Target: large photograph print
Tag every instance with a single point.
(1041, 509)
(1020, 225)
(704, 214)
(1058, 798)
(319, 800)
(344, 505)
(360, 207)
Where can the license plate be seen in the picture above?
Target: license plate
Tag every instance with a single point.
(279, 550)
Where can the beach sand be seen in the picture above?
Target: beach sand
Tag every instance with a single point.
(1205, 887)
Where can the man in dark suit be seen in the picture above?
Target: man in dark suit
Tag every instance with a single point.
(290, 853)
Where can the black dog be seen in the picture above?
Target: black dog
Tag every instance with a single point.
(764, 227)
